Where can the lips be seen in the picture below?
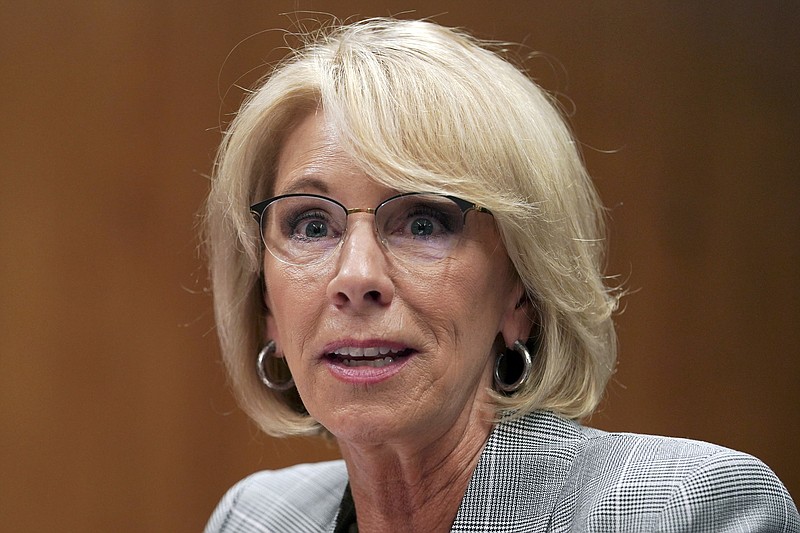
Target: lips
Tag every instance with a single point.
(368, 356)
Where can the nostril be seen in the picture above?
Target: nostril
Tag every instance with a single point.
(373, 295)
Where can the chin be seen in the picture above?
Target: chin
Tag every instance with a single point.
(355, 425)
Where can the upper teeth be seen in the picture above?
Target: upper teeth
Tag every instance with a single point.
(351, 351)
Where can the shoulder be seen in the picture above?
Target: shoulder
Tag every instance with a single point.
(301, 498)
(645, 482)
(545, 473)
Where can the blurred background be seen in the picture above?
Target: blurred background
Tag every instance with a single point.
(114, 410)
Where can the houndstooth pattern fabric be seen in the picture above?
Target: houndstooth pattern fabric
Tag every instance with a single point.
(543, 473)
(299, 499)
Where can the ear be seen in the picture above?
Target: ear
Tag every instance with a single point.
(519, 318)
(272, 329)
(270, 324)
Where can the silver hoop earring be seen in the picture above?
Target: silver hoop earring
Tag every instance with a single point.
(263, 356)
(504, 365)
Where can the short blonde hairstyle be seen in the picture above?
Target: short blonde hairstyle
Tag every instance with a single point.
(421, 107)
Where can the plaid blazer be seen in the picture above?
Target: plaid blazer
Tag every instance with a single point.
(544, 473)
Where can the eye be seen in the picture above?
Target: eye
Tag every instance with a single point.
(312, 225)
(305, 219)
(422, 227)
(424, 221)
(421, 218)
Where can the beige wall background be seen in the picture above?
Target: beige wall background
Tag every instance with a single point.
(114, 413)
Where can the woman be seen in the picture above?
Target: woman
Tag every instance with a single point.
(406, 254)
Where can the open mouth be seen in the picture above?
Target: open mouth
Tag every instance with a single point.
(376, 357)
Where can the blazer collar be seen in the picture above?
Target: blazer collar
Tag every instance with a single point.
(520, 474)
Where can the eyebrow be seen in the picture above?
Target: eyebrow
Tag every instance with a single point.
(307, 184)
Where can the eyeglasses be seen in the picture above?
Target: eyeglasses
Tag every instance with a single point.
(305, 229)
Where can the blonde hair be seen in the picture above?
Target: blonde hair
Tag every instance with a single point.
(424, 108)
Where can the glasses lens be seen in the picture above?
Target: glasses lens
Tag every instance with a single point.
(420, 227)
(301, 230)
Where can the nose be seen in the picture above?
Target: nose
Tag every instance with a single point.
(361, 279)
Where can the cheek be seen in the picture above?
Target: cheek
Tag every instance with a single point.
(294, 299)
(460, 303)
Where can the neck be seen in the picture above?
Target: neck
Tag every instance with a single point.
(405, 486)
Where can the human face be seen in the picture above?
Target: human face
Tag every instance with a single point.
(438, 321)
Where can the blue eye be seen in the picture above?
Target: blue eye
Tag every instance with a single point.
(421, 227)
(316, 229)
(423, 221)
(310, 225)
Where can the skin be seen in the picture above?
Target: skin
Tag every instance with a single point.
(410, 440)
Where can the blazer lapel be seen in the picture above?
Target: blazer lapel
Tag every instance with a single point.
(519, 476)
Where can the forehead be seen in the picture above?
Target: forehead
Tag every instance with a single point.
(310, 156)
